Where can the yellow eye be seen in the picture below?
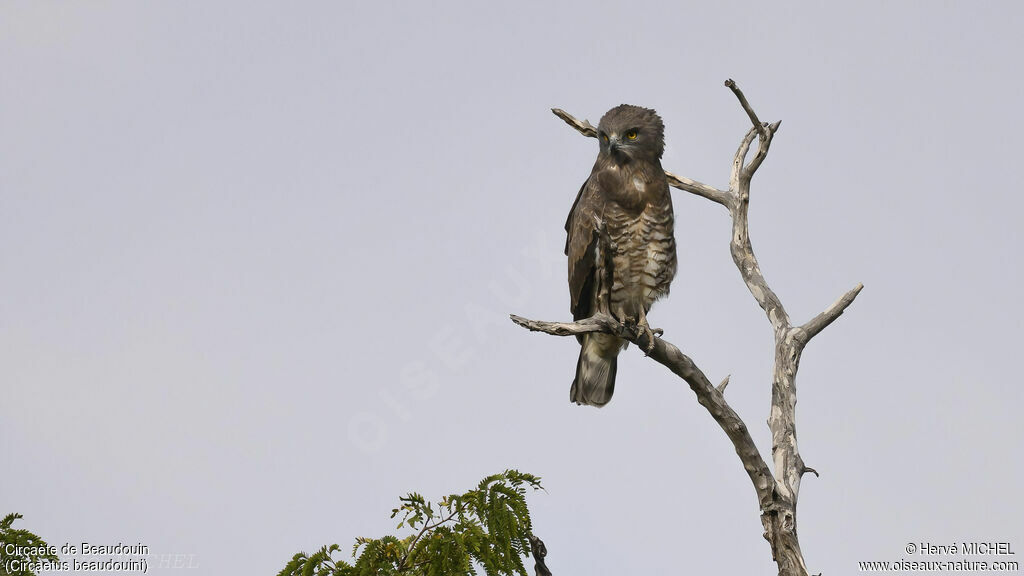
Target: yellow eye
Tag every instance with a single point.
(604, 137)
(631, 135)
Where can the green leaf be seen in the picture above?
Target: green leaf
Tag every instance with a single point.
(486, 527)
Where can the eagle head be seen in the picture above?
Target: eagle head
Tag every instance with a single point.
(629, 132)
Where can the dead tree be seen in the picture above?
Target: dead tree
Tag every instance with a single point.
(776, 493)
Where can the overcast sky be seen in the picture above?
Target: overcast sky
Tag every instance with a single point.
(257, 261)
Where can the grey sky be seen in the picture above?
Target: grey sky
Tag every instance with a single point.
(257, 261)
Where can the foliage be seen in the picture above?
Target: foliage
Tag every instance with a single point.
(487, 527)
(22, 552)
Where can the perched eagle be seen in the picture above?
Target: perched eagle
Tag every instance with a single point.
(622, 254)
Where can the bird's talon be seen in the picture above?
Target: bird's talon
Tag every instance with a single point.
(644, 327)
(650, 342)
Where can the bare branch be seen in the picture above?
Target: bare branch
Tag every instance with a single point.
(597, 323)
(819, 322)
(699, 188)
(741, 249)
(540, 551)
(780, 521)
(735, 175)
(764, 140)
(725, 382)
(746, 106)
(680, 364)
(583, 127)
(763, 130)
(750, 270)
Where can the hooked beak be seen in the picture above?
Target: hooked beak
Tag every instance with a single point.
(613, 144)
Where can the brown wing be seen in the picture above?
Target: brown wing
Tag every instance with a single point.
(581, 246)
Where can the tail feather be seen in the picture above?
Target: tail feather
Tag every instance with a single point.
(595, 370)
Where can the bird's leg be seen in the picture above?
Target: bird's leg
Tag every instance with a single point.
(621, 316)
(645, 327)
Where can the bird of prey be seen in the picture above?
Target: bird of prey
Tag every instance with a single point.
(621, 249)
